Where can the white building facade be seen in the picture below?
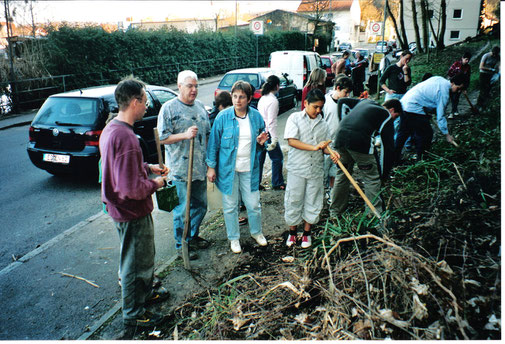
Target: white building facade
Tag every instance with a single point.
(345, 14)
(462, 20)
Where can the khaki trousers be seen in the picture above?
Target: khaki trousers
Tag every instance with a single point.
(368, 170)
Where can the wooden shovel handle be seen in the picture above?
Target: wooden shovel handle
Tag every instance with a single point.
(158, 147)
(474, 109)
(356, 186)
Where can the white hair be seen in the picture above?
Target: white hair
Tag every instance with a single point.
(185, 74)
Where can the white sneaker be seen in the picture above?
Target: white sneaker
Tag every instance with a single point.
(456, 114)
(306, 241)
(260, 239)
(291, 240)
(235, 246)
(451, 116)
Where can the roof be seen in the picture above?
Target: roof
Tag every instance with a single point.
(91, 92)
(96, 91)
(336, 5)
(306, 16)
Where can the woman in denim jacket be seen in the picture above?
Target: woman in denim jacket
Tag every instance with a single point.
(237, 137)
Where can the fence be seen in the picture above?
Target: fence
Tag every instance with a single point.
(31, 93)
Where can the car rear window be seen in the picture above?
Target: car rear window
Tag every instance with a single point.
(326, 62)
(163, 95)
(68, 111)
(229, 79)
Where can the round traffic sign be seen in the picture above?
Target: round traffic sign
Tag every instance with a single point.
(257, 25)
(376, 27)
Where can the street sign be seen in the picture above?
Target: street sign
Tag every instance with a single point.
(376, 28)
(257, 27)
(377, 57)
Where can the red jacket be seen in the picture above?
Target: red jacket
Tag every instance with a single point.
(458, 67)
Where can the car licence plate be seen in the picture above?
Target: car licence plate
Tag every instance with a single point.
(56, 158)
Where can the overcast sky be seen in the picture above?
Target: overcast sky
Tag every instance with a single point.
(115, 11)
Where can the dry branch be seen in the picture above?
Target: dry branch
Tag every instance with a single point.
(418, 259)
(80, 278)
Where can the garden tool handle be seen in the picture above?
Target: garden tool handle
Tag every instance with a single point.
(474, 109)
(356, 186)
(187, 219)
(158, 147)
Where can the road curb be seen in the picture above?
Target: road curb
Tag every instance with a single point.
(50, 243)
(20, 124)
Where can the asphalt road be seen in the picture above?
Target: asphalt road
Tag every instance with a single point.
(36, 206)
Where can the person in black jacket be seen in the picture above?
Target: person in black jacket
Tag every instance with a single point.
(354, 140)
(222, 101)
(358, 74)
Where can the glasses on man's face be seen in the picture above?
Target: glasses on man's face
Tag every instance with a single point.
(147, 103)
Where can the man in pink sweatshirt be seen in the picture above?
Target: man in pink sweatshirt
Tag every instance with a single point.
(126, 192)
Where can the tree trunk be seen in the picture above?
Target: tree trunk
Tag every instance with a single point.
(443, 19)
(32, 15)
(399, 37)
(416, 27)
(425, 19)
(402, 25)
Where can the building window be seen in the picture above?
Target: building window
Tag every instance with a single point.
(454, 34)
(457, 14)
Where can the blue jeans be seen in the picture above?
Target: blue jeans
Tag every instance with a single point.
(277, 158)
(242, 187)
(198, 209)
(136, 264)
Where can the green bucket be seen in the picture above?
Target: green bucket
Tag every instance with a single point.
(167, 198)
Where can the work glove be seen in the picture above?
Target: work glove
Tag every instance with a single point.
(272, 145)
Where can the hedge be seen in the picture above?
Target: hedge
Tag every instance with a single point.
(156, 55)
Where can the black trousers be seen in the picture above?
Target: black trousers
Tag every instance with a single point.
(419, 127)
(485, 88)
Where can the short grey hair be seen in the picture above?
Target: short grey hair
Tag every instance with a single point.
(185, 74)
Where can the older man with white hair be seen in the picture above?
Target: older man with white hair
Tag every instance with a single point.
(180, 120)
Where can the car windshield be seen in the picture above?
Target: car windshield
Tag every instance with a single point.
(68, 111)
(230, 79)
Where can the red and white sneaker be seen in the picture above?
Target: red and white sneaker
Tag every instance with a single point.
(306, 241)
(291, 240)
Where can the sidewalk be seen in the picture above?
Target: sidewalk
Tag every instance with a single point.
(16, 120)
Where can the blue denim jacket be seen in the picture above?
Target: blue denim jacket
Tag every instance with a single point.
(223, 144)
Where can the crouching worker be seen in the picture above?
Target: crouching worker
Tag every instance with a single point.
(237, 135)
(126, 192)
(354, 140)
(307, 134)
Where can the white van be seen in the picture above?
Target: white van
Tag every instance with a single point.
(296, 63)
